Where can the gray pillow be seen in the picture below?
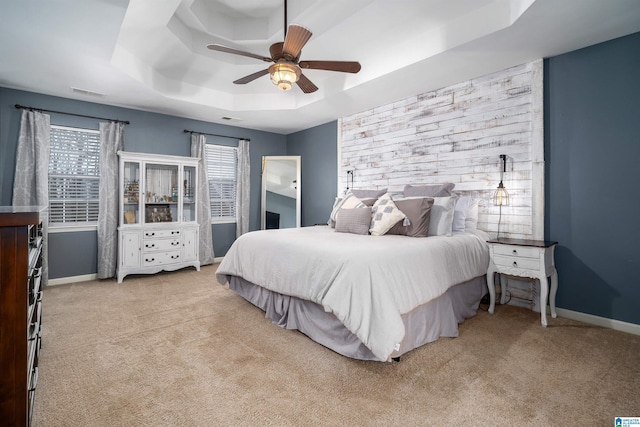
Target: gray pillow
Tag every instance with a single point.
(368, 194)
(355, 221)
(433, 190)
(419, 213)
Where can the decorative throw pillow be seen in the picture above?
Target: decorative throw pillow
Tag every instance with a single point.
(368, 194)
(349, 201)
(419, 213)
(460, 213)
(384, 215)
(433, 190)
(354, 221)
(442, 216)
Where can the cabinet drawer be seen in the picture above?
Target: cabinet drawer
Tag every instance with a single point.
(516, 251)
(159, 258)
(516, 262)
(161, 244)
(152, 234)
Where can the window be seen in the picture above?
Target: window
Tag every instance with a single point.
(222, 164)
(74, 176)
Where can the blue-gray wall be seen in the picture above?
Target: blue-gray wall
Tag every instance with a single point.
(73, 254)
(592, 155)
(317, 147)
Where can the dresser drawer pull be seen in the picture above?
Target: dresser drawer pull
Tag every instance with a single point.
(515, 264)
(515, 252)
(175, 232)
(153, 245)
(149, 234)
(175, 243)
(149, 260)
(175, 256)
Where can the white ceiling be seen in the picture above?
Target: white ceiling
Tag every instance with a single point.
(151, 54)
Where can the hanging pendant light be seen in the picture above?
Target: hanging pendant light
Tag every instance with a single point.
(501, 196)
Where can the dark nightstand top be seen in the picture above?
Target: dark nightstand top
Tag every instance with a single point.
(524, 242)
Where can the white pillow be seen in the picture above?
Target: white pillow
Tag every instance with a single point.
(384, 215)
(441, 223)
(471, 220)
(460, 213)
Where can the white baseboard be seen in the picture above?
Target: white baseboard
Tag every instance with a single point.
(218, 259)
(72, 279)
(604, 322)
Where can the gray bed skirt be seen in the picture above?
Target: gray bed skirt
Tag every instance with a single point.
(426, 323)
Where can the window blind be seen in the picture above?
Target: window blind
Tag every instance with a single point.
(222, 165)
(74, 175)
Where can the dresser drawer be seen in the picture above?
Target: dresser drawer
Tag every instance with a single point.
(152, 234)
(516, 251)
(161, 244)
(159, 258)
(516, 262)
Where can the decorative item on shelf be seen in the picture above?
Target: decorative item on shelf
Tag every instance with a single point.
(157, 213)
(129, 217)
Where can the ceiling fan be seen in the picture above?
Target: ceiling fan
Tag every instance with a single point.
(287, 67)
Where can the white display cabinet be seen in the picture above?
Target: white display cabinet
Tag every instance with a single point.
(158, 227)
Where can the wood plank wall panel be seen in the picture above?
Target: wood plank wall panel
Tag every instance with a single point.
(456, 134)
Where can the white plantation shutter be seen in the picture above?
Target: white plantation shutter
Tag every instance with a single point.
(74, 176)
(222, 163)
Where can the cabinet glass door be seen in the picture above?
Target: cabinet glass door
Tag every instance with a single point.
(131, 193)
(161, 193)
(188, 194)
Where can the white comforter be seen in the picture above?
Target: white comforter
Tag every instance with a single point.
(367, 282)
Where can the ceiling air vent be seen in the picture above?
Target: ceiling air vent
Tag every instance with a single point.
(87, 92)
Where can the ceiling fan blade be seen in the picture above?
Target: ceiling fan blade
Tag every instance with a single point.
(297, 37)
(225, 49)
(251, 77)
(305, 84)
(342, 66)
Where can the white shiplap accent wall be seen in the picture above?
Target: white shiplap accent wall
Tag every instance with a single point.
(456, 134)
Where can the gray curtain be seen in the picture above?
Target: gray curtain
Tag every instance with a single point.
(203, 212)
(31, 180)
(242, 192)
(111, 141)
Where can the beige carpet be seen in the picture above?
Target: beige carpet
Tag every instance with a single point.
(178, 349)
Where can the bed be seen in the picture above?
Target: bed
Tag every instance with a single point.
(368, 297)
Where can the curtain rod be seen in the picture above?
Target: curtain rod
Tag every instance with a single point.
(21, 107)
(213, 134)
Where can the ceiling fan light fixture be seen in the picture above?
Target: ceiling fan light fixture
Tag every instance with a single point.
(284, 74)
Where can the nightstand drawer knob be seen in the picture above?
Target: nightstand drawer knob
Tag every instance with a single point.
(515, 252)
(515, 264)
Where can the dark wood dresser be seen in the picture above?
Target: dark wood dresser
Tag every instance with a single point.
(21, 240)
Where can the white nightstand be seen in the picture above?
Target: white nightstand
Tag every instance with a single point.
(524, 258)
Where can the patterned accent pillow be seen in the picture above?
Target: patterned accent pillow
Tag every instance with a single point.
(355, 221)
(384, 215)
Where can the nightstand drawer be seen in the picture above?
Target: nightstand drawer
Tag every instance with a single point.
(516, 262)
(517, 251)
